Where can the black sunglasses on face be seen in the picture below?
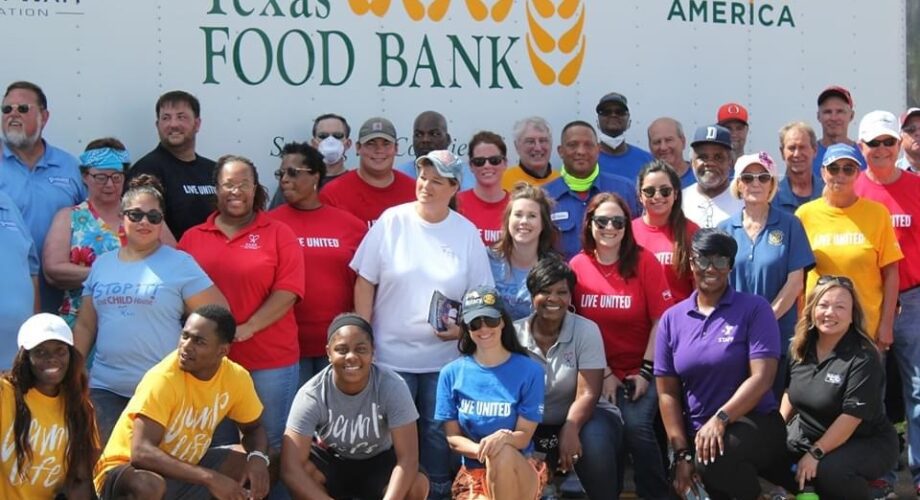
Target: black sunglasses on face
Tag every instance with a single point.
(478, 161)
(665, 191)
(600, 221)
(291, 172)
(20, 108)
(611, 111)
(137, 215)
(337, 135)
(848, 170)
(476, 324)
(720, 262)
(763, 178)
(887, 142)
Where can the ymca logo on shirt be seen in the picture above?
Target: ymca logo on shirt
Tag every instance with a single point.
(727, 335)
(252, 242)
(833, 378)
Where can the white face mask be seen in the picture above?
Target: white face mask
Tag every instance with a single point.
(332, 150)
(612, 142)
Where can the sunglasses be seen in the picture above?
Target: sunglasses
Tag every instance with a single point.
(323, 135)
(20, 108)
(763, 178)
(101, 179)
(137, 215)
(841, 280)
(888, 142)
(848, 170)
(720, 262)
(613, 111)
(665, 191)
(479, 161)
(618, 221)
(291, 172)
(476, 324)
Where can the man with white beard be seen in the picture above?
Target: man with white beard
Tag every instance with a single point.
(40, 178)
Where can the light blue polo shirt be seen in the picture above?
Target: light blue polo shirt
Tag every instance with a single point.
(786, 200)
(18, 263)
(408, 168)
(53, 184)
(761, 266)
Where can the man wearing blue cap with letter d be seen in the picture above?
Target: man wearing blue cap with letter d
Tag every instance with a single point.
(709, 202)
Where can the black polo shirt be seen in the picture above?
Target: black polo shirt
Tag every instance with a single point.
(848, 381)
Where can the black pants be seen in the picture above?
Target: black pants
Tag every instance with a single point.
(845, 472)
(753, 444)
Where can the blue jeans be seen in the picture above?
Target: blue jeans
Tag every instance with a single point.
(906, 350)
(276, 388)
(641, 443)
(601, 441)
(310, 367)
(108, 407)
(434, 453)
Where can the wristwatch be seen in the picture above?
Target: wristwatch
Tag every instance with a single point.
(685, 455)
(721, 415)
(816, 453)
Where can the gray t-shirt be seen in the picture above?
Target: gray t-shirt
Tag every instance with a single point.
(579, 347)
(355, 427)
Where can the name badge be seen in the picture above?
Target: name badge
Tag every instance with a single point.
(557, 216)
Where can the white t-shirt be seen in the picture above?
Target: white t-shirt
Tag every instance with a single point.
(709, 212)
(408, 259)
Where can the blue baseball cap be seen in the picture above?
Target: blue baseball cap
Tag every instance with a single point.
(479, 302)
(712, 134)
(840, 151)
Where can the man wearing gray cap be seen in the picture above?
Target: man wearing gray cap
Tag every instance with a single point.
(374, 186)
(910, 140)
(709, 202)
(617, 156)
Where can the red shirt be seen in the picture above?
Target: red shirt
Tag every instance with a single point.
(623, 309)
(902, 199)
(259, 259)
(660, 242)
(366, 202)
(486, 216)
(328, 237)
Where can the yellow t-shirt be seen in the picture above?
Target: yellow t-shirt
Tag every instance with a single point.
(856, 242)
(49, 439)
(188, 409)
(515, 174)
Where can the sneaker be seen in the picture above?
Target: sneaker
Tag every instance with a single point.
(879, 489)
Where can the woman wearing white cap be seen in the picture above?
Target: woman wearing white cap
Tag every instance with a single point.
(411, 252)
(773, 250)
(46, 418)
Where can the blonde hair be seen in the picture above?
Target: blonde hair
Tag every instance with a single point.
(805, 330)
(735, 189)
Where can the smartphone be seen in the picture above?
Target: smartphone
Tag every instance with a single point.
(629, 387)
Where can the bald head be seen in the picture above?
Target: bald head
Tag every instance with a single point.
(667, 142)
(429, 133)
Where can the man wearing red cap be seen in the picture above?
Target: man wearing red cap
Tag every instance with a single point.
(835, 112)
(734, 117)
(910, 140)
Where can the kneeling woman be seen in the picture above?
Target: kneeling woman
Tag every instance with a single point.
(46, 419)
(837, 428)
(491, 400)
(363, 420)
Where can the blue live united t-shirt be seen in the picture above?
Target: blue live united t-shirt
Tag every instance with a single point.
(485, 399)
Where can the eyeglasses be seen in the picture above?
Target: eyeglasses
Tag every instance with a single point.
(910, 129)
(848, 170)
(841, 280)
(763, 178)
(495, 160)
(888, 142)
(476, 324)
(101, 179)
(244, 187)
(665, 191)
(720, 262)
(323, 135)
(20, 108)
(601, 221)
(137, 215)
(291, 172)
(613, 111)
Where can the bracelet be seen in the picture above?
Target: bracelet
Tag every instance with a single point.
(257, 453)
(646, 374)
(647, 363)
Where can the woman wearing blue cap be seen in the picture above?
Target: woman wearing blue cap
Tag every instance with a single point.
(491, 400)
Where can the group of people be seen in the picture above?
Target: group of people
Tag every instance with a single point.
(203, 338)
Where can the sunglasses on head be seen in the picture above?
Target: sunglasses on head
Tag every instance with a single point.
(762, 177)
(887, 142)
(618, 221)
(479, 161)
(323, 135)
(720, 262)
(848, 170)
(841, 280)
(291, 172)
(665, 191)
(20, 108)
(476, 324)
(137, 215)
